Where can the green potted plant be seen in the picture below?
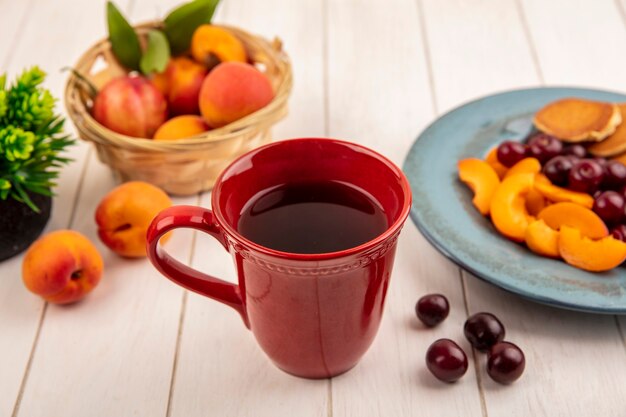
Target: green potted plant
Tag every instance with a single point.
(31, 143)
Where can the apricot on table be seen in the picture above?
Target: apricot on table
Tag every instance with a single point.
(211, 45)
(590, 255)
(492, 159)
(181, 127)
(573, 215)
(557, 194)
(231, 91)
(481, 179)
(526, 165)
(508, 206)
(62, 267)
(542, 239)
(124, 214)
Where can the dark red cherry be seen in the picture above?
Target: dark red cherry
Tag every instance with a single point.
(510, 153)
(610, 207)
(506, 362)
(483, 330)
(432, 309)
(557, 169)
(614, 176)
(578, 151)
(586, 176)
(446, 360)
(544, 147)
(619, 232)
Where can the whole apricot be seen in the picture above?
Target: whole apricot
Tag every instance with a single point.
(124, 214)
(181, 127)
(231, 91)
(62, 267)
(184, 78)
(211, 45)
(130, 105)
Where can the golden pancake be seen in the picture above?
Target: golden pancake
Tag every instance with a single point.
(577, 120)
(614, 144)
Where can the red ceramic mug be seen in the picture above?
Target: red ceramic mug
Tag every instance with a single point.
(314, 315)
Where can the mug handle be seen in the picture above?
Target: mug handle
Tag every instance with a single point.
(200, 219)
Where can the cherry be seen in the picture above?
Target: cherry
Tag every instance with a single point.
(510, 153)
(506, 362)
(619, 232)
(446, 360)
(483, 330)
(544, 147)
(575, 150)
(610, 207)
(557, 169)
(602, 161)
(432, 309)
(614, 175)
(586, 176)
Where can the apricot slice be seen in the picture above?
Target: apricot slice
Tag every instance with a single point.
(508, 206)
(542, 239)
(558, 195)
(590, 255)
(492, 159)
(578, 217)
(535, 202)
(526, 165)
(481, 179)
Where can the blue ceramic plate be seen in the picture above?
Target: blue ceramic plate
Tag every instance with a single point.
(443, 211)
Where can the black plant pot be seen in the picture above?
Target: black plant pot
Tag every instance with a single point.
(20, 225)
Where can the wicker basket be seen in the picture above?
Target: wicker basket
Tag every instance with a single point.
(185, 166)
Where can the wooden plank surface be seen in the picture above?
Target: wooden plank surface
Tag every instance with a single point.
(378, 95)
(559, 345)
(113, 353)
(21, 26)
(221, 370)
(370, 73)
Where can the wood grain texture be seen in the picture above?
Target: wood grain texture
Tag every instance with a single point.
(379, 96)
(558, 344)
(221, 370)
(139, 345)
(111, 354)
(477, 48)
(21, 23)
(12, 18)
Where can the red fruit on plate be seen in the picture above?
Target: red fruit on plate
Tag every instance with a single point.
(130, 105)
(511, 152)
(610, 207)
(586, 176)
(544, 147)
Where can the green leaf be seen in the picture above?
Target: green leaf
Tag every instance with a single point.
(157, 53)
(124, 40)
(181, 22)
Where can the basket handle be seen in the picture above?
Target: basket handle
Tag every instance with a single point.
(201, 219)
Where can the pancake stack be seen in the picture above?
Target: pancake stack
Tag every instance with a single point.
(598, 125)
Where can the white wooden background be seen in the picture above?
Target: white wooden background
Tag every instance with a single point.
(375, 72)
